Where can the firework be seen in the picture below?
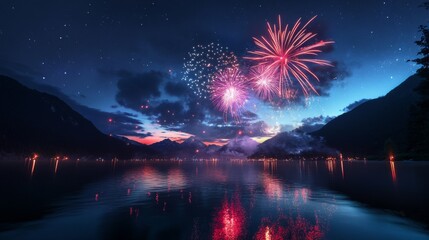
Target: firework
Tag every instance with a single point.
(202, 63)
(287, 54)
(263, 83)
(229, 91)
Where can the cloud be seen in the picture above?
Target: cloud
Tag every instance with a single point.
(213, 132)
(354, 105)
(330, 75)
(249, 116)
(137, 134)
(168, 113)
(116, 123)
(316, 120)
(173, 106)
(134, 90)
(287, 144)
(177, 89)
(154, 94)
(313, 124)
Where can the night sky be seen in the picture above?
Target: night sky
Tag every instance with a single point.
(111, 59)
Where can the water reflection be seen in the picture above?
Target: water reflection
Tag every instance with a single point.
(56, 166)
(270, 165)
(153, 179)
(33, 166)
(31, 161)
(289, 228)
(301, 195)
(213, 199)
(229, 221)
(330, 164)
(175, 179)
(393, 170)
(272, 186)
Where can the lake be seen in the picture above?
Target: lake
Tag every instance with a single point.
(214, 199)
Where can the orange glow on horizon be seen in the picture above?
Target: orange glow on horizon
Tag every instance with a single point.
(147, 140)
(177, 137)
(215, 143)
(154, 139)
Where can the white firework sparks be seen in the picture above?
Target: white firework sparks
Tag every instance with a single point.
(201, 65)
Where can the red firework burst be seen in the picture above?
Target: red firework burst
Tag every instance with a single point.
(286, 54)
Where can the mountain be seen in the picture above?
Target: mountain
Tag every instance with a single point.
(292, 144)
(33, 121)
(375, 126)
(191, 147)
(166, 146)
(212, 150)
(193, 143)
(239, 147)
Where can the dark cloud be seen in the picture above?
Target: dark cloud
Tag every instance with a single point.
(143, 93)
(330, 75)
(193, 115)
(287, 144)
(316, 120)
(313, 124)
(169, 113)
(137, 134)
(134, 90)
(354, 105)
(256, 129)
(189, 114)
(222, 130)
(321, 28)
(177, 89)
(249, 116)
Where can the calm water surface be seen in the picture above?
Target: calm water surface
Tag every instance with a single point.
(214, 200)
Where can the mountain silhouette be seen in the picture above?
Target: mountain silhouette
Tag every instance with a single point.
(292, 144)
(33, 121)
(192, 147)
(376, 126)
(374, 129)
(166, 147)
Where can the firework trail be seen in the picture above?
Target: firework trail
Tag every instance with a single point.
(202, 63)
(286, 54)
(229, 91)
